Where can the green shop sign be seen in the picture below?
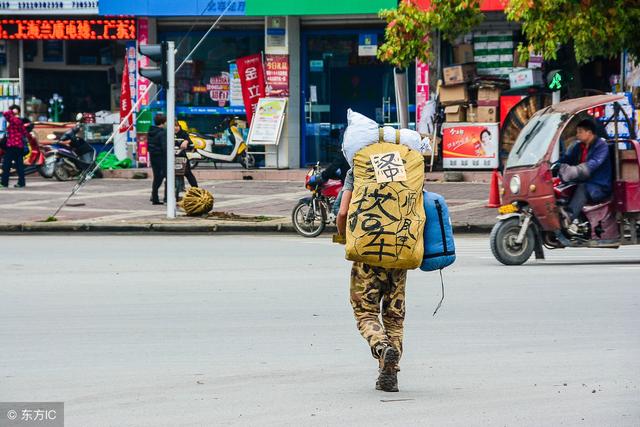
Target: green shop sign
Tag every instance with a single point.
(300, 7)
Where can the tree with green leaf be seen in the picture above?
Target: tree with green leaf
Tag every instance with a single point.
(409, 28)
(593, 27)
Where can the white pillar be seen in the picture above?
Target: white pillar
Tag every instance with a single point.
(287, 154)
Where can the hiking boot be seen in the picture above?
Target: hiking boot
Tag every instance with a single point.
(388, 378)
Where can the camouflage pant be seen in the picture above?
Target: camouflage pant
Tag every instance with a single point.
(373, 288)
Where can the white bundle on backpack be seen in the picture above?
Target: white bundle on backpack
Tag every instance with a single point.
(362, 131)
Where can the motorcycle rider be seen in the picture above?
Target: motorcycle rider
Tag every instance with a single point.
(75, 139)
(336, 170)
(588, 163)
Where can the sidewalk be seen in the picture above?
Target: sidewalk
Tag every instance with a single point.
(122, 205)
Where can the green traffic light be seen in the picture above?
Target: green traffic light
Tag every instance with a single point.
(556, 82)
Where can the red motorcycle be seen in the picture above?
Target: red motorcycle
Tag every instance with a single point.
(312, 214)
(38, 159)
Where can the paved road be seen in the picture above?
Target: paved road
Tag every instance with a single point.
(228, 330)
(127, 200)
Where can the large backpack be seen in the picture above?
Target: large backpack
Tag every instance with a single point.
(386, 217)
(439, 247)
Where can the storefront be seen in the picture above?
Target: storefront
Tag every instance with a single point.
(65, 58)
(323, 54)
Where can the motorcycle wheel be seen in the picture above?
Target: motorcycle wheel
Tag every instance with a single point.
(307, 223)
(46, 169)
(503, 242)
(247, 160)
(61, 172)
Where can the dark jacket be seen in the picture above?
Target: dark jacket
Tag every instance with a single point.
(157, 140)
(337, 169)
(599, 165)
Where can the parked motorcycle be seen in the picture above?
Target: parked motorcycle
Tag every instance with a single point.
(68, 164)
(312, 214)
(39, 158)
(225, 145)
(532, 217)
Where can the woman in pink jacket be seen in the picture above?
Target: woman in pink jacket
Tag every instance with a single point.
(14, 147)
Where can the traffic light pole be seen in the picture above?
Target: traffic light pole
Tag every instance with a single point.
(171, 133)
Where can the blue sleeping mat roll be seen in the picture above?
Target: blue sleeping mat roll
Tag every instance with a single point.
(439, 247)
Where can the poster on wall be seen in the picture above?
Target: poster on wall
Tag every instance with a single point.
(235, 87)
(268, 121)
(277, 75)
(367, 45)
(251, 74)
(470, 145)
(218, 88)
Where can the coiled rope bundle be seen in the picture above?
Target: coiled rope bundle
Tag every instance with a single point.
(197, 201)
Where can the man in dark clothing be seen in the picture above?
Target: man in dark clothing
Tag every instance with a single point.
(158, 154)
(587, 162)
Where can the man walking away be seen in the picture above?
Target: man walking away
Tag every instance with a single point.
(158, 155)
(16, 138)
(377, 291)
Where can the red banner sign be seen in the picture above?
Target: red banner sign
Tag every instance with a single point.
(68, 29)
(252, 81)
(277, 75)
(125, 100)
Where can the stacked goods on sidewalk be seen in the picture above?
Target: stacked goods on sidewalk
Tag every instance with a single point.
(486, 71)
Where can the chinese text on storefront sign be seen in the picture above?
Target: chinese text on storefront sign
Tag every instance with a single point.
(68, 29)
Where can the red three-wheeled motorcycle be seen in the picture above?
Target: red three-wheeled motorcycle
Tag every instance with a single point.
(531, 216)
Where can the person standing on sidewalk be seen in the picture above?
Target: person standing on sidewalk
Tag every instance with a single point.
(16, 138)
(158, 155)
(183, 141)
(376, 292)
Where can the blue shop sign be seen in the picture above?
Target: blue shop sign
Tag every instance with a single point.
(172, 8)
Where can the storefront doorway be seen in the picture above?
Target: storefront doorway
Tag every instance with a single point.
(335, 77)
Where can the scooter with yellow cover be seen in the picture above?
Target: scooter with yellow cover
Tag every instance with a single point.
(225, 145)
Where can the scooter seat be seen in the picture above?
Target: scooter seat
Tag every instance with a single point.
(591, 208)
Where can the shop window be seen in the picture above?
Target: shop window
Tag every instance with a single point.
(30, 50)
(196, 80)
(90, 52)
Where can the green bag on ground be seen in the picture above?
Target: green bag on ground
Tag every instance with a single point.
(111, 162)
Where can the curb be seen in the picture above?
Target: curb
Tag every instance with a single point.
(186, 228)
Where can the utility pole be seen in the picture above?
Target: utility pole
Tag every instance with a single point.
(165, 55)
(171, 133)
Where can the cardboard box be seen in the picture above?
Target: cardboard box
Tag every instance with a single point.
(463, 53)
(457, 74)
(525, 78)
(489, 96)
(455, 113)
(456, 94)
(487, 114)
